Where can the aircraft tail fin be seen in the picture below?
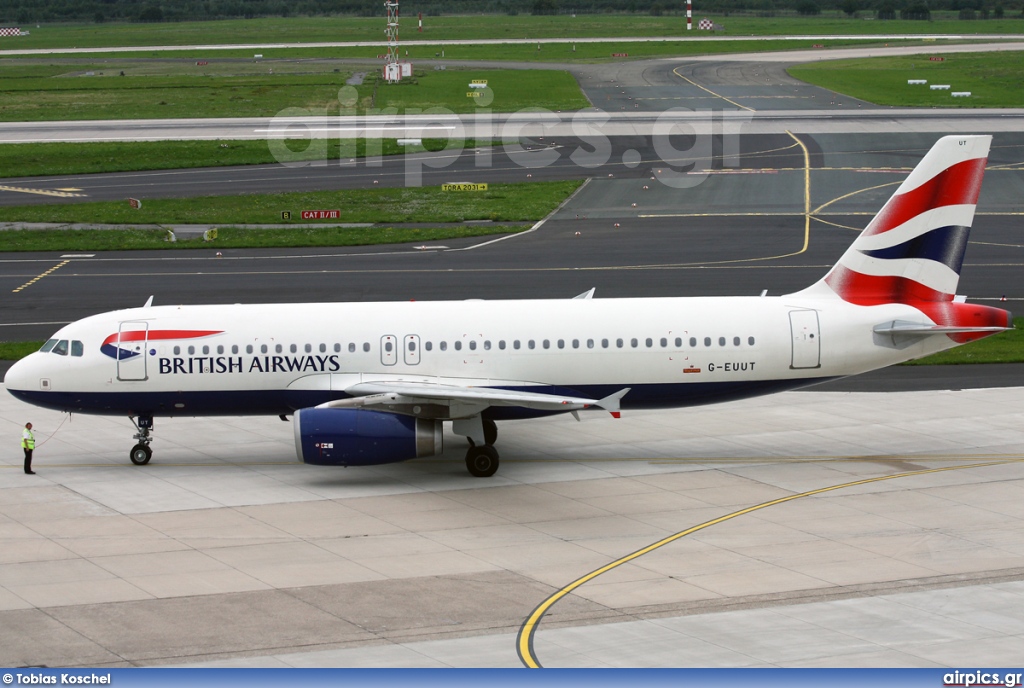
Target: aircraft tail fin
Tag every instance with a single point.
(914, 247)
(912, 251)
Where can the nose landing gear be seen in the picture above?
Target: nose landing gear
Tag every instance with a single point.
(141, 453)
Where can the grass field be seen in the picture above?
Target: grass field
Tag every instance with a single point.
(233, 237)
(38, 159)
(439, 29)
(65, 91)
(501, 203)
(994, 79)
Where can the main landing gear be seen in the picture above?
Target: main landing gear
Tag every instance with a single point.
(141, 453)
(481, 459)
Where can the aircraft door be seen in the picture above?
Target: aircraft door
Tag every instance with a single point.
(389, 350)
(806, 339)
(412, 349)
(130, 350)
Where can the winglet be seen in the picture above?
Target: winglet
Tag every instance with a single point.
(611, 402)
(149, 302)
(587, 295)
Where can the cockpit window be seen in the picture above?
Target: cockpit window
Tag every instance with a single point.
(61, 348)
(76, 348)
(48, 345)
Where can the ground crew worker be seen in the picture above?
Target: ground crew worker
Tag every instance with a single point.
(28, 443)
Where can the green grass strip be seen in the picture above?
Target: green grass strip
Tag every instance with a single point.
(233, 237)
(994, 79)
(45, 159)
(500, 203)
(1005, 347)
(443, 28)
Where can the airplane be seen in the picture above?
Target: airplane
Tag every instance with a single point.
(373, 383)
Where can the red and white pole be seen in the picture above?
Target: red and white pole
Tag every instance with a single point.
(420, 29)
(689, 15)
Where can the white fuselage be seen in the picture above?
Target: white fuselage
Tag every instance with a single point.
(263, 359)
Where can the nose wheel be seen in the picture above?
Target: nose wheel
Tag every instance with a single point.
(141, 453)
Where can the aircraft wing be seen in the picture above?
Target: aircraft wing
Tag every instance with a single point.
(403, 393)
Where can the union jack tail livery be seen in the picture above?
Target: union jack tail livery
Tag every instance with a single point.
(912, 251)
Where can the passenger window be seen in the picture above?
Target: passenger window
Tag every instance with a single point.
(472, 345)
(206, 350)
(412, 345)
(76, 348)
(590, 343)
(323, 348)
(48, 345)
(515, 344)
(61, 349)
(351, 347)
(388, 347)
(501, 344)
(220, 348)
(234, 348)
(664, 342)
(735, 341)
(693, 342)
(444, 346)
(366, 347)
(458, 346)
(191, 351)
(248, 348)
(750, 341)
(177, 350)
(679, 342)
(575, 343)
(292, 348)
(618, 343)
(531, 344)
(547, 343)
(561, 343)
(604, 343)
(337, 348)
(309, 348)
(633, 342)
(487, 345)
(721, 341)
(707, 341)
(279, 348)
(263, 348)
(428, 346)
(650, 342)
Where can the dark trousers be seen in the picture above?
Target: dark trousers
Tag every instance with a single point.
(28, 460)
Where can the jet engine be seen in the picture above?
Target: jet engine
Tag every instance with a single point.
(358, 437)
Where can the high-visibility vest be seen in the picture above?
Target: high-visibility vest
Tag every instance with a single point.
(28, 440)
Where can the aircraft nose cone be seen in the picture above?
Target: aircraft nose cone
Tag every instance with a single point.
(18, 376)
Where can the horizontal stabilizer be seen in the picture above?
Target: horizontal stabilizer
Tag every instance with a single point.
(587, 295)
(924, 329)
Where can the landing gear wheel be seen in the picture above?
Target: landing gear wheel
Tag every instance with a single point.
(490, 431)
(482, 462)
(140, 454)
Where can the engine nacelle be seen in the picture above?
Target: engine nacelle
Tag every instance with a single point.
(357, 437)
